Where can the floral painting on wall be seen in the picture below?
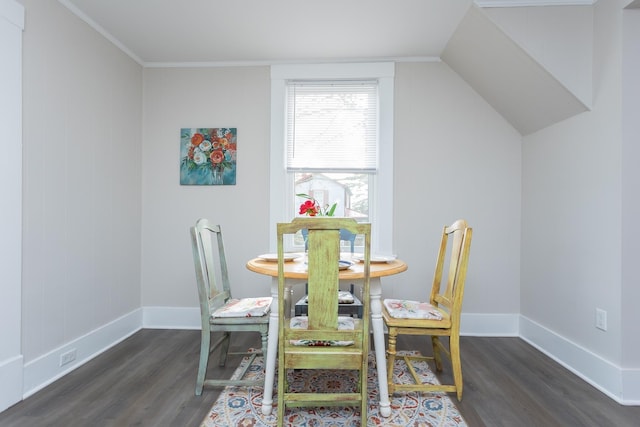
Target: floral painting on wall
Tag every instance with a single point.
(208, 156)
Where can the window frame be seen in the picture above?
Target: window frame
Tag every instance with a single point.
(281, 207)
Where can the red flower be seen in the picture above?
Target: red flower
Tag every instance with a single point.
(217, 157)
(197, 139)
(309, 208)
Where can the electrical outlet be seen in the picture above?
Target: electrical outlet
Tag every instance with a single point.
(601, 319)
(68, 357)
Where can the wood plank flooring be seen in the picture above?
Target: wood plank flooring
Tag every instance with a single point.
(149, 380)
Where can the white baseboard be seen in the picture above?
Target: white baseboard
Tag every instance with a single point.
(623, 386)
(11, 384)
(489, 325)
(44, 370)
(631, 387)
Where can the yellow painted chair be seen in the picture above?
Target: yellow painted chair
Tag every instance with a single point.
(440, 317)
(323, 339)
(220, 312)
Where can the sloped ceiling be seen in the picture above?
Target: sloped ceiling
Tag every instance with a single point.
(247, 32)
(517, 86)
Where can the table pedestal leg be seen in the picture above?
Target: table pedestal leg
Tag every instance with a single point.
(378, 341)
(270, 357)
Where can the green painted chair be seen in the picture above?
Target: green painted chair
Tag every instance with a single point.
(323, 339)
(352, 305)
(219, 312)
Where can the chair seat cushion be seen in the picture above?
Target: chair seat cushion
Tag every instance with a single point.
(245, 307)
(406, 309)
(302, 322)
(344, 297)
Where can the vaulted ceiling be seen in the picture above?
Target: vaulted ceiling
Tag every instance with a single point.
(249, 32)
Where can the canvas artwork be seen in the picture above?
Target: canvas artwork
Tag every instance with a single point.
(208, 156)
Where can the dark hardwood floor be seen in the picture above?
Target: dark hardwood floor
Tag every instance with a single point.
(149, 380)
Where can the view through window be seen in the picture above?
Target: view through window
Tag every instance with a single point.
(350, 192)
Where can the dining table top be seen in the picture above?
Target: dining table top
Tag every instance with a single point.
(297, 269)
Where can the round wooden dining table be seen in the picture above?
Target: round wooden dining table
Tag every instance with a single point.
(295, 271)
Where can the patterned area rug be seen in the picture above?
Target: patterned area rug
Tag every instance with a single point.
(241, 406)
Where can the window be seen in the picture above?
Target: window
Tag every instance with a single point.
(331, 126)
(331, 143)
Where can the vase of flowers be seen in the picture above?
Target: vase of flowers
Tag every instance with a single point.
(311, 207)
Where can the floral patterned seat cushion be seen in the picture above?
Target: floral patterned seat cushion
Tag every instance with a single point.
(245, 307)
(406, 309)
(302, 322)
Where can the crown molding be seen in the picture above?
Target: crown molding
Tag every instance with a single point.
(215, 64)
(531, 3)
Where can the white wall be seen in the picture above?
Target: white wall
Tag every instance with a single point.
(446, 137)
(630, 201)
(455, 158)
(11, 361)
(82, 189)
(571, 224)
(202, 97)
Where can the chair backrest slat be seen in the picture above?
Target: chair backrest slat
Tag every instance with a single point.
(323, 259)
(212, 274)
(454, 248)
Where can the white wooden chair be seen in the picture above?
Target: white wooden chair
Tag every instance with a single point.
(219, 312)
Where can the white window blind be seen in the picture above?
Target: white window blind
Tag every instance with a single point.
(332, 126)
